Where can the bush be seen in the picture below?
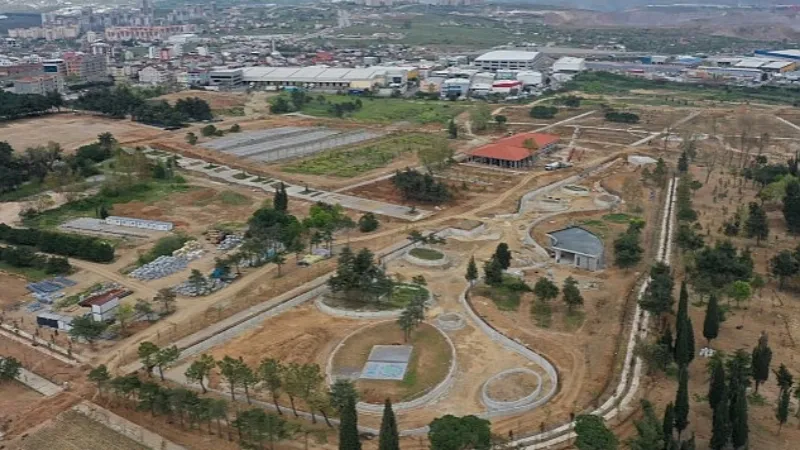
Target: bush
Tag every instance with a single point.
(164, 247)
(543, 112)
(622, 117)
(368, 223)
(62, 244)
(423, 188)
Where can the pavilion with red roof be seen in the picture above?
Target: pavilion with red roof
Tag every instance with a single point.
(515, 152)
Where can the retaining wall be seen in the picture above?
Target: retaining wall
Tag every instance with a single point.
(522, 402)
(444, 261)
(331, 311)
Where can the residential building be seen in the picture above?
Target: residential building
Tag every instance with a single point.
(57, 68)
(17, 71)
(515, 152)
(509, 60)
(39, 85)
(50, 33)
(85, 68)
(577, 247)
(153, 75)
(149, 34)
(226, 78)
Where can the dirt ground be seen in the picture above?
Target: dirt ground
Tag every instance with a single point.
(13, 289)
(74, 430)
(16, 400)
(512, 387)
(72, 131)
(771, 311)
(218, 101)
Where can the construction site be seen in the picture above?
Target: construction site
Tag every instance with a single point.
(529, 370)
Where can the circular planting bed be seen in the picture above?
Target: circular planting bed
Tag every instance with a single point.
(572, 189)
(450, 321)
(428, 257)
(387, 307)
(605, 200)
(551, 204)
(512, 388)
(429, 366)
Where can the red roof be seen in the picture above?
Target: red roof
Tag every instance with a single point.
(512, 148)
(102, 299)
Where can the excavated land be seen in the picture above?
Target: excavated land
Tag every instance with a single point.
(73, 130)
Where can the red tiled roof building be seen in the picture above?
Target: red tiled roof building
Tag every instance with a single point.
(515, 152)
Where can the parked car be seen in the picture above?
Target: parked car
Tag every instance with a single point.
(557, 165)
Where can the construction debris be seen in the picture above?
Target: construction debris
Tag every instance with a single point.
(164, 266)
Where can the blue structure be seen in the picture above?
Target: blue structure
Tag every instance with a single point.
(793, 54)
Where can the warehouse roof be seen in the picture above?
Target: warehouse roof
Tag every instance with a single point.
(508, 55)
(513, 148)
(777, 65)
(311, 74)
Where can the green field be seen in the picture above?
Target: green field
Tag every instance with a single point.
(29, 273)
(426, 254)
(604, 83)
(356, 161)
(148, 192)
(385, 110)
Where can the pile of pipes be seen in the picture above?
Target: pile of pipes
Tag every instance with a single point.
(231, 241)
(192, 289)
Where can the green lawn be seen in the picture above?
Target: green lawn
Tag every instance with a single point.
(507, 296)
(148, 192)
(403, 293)
(385, 110)
(29, 273)
(619, 217)
(426, 254)
(348, 163)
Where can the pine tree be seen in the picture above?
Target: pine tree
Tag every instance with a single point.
(716, 389)
(503, 255)
(572, 294)
(782, 413)
(711, 321)
(791, 207)
(761, 359)
(348, 427)
(784, 378)
(682, 401)
(669, 422)
(388, 439)
(493, 272)
(472, 271)
(757, 225)
(720, 431)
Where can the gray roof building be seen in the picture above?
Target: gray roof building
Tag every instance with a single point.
(577, 247)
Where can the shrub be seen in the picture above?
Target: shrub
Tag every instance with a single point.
(543, 112)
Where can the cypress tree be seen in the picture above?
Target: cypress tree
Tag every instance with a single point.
(761, 359)
(472, 270)
(388, 439)
(684, 342)
(782, 414)
(739, 427)
(667, 340)
(669, 422)
(682, 401)
(711, 322)
(720, 431)
(281, 199)
(683, 302)
(688, 444)
(716, 388)
(348, 427)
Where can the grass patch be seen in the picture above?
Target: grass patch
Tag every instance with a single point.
(574, 320)
(597, 227)
(403, 293)
(353, 162)
(385, 110)
(147, 192)
(163, 247)
(29, 273)
(26, 190)
(619, 218)
(542, 314)
(242, 176)
(507, 296)
(756, 399)
(232, 198)
(427, 254)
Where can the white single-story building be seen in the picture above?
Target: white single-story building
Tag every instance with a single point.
(155, 225)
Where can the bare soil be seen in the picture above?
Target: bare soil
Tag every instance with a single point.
(74, 430)
(16, 400)
(13, 290)
(72, 130)
(512, 387)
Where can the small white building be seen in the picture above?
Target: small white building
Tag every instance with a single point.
(104, 306)
(569, 64)
(155, 225)
(56, 321)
